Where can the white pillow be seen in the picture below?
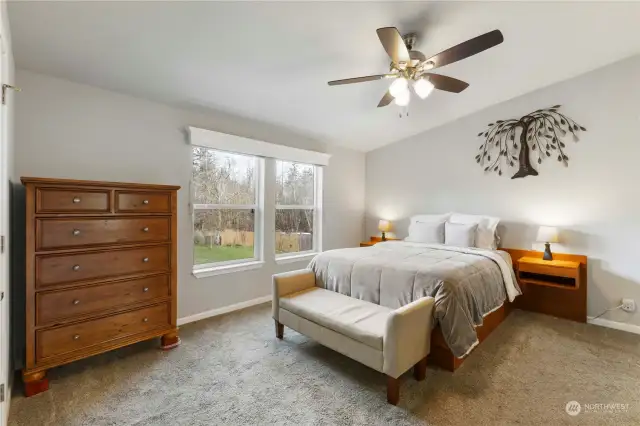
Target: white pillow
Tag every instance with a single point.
(426, 232)
(486, 231)
(428, 218)
(460, 234)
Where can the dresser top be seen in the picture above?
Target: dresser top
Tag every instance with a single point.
(73, 182)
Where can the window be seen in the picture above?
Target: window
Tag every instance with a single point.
(230, 188)
(225, 208)
(297, 208)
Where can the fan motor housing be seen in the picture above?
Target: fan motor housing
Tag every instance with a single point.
(410, 40)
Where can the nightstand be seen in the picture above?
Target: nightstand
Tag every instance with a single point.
(552, 287)
(375, 240)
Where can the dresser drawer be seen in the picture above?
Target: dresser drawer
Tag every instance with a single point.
(64, 304)
(66, 233)
(76, 337)
(151, 202)
(69, 268)
(50, 200)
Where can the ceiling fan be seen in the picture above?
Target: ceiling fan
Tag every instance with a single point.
(408, 65)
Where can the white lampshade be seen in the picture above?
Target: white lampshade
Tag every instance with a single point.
(403, 98)
(384, 226)
(548, 234)
(399, 85)
(423, 87)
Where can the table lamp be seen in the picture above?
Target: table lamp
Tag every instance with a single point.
(384, 226)
(547, 235)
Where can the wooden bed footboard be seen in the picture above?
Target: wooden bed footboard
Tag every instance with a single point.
(441, 354)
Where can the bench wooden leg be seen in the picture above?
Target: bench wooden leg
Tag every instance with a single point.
(393, 390)
(279, 330)
(420, 369)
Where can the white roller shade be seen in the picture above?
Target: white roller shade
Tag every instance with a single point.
(240, 145)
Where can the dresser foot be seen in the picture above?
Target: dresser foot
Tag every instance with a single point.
(35, 383)
(169, 341)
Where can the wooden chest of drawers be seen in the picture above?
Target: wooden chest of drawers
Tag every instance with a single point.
(101, 270)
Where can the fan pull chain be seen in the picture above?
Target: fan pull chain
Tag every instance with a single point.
(404, 111)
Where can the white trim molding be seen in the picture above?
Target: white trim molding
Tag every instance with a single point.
(300, 257)
(240, 145)
(223, 310)
(631, 328)
(228, 268)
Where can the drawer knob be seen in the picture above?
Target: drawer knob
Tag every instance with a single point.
(145, 260)
(76, 267)
(76, 200)
(75, 302)
(76, 336)
(76, 232)
(145, 201)
(145, 229)
(145, 320)
(146, 289)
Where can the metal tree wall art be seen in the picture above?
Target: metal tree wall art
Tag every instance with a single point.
(541, 131)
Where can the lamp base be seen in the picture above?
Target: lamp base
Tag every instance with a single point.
(547, 252)
(384, 237)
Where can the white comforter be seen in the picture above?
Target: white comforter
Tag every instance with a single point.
(467, 283)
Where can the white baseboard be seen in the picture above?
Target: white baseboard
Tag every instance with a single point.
(223, 310)
(631, 328)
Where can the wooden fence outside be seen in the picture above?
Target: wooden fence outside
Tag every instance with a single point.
(285, 242)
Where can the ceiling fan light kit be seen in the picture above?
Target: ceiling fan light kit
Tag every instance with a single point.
(399, 86)
(408, 65)
(403, 98)
(423, 87)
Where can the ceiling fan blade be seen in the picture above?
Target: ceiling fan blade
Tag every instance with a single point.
(466, 49)
(448, 84)
(417, 56)
(386, 100)
(394, 45)
(357, 79)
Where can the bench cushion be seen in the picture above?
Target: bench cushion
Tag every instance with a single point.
(362, 321)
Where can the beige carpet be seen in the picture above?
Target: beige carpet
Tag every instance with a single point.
(231, 370)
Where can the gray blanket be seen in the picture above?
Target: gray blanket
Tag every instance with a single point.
(467, 283)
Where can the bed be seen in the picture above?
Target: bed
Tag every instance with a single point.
(472, 287)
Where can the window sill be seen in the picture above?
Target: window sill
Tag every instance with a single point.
(295, 258)
(227, 269)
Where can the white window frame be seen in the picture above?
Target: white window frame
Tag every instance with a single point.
(262, 150)
(317, 219)
(223, 267)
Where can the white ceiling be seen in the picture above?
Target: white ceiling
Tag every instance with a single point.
(271, 61)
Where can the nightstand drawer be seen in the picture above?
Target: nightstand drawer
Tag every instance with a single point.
(556, 271)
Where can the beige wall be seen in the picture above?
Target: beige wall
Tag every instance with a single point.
(68, 130)
(595, 201)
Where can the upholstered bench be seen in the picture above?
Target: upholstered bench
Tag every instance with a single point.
(388, 340)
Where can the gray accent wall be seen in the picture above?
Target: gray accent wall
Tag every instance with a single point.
(69, 130)
(595, 200)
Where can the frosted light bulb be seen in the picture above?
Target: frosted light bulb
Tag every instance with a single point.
(399, 86)
(403, 98)
(423, 87)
